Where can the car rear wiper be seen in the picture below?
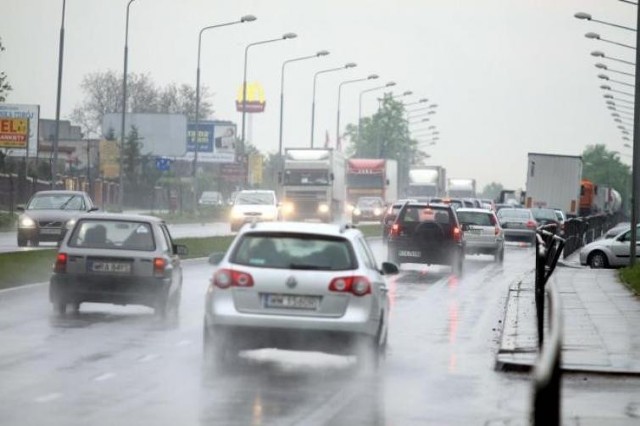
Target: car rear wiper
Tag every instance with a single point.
(305, 266)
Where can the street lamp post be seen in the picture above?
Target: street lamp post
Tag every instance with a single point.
(124, 111)
(605, 87)
(596, 36)
(56, 139)
(369, 77)
(606, 68)
(389, 84)
(301, 58)
(246, 18)
(599, 54)
(607, 78)
(285, 36)
(586, 16)
(313, 102)
(421, 101)
(635, 162)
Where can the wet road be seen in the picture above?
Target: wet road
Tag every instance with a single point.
(120, 365)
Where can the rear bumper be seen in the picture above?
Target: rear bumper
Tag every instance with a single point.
(117, 290)
(486, 247)
(443, 255)
(519, 234)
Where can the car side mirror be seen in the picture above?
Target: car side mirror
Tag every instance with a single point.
(180, 249)
(20, 208)
(389, 268)
(216, 258)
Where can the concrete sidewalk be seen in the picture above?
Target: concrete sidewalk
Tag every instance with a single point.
(601, 322)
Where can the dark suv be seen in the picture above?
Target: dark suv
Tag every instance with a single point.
(427, 233)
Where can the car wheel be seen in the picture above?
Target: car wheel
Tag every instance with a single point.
(597, 260)
(499, 256)
(22, 241)
(458, 263)
(59, 308)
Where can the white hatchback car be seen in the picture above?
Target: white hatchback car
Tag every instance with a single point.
(482, 232)
(258, 205)
(293, 286)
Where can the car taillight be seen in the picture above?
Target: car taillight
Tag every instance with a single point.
(497, 230)
(395, 230)
(159, 264)
(357, 285)
(61, 263)
(457, 234)
(225, 278)
(532, 224)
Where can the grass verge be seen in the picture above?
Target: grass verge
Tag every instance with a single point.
(630, 276)
(26, 267)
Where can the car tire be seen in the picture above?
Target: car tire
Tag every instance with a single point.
(499, 256)
(22, 241)
(457, 266)
(59, 308)
(597, 260)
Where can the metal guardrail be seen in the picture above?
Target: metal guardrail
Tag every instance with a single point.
(583, 230)
(548, 370)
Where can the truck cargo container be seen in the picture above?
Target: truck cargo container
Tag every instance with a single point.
(427, 181)
(553, 181)
(461, 188)
(372, 177)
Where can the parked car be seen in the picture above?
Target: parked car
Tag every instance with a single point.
(609, 252)
(293, 286)
(211, 198)
(368, 208)
(429, 234)
(390, 216)
(616, 230)
(120, 259)
(518, 224)
(482, 232)
(48, 214)
(254, 205)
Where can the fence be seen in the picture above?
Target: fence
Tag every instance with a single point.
(583, 230)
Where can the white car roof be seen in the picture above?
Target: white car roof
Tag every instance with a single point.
(473, 210)
(329, 229)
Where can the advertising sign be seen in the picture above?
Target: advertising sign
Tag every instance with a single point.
(109, 156)
(28, 113)
(255, 169)
(216, 141)
(233, 172)
(14, 132)
(160, 134)
(255, 101)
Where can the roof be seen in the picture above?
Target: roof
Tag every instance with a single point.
(473, 210)
(60, 192)
(120, 216)
(331, 229)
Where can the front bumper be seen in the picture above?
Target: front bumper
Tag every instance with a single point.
(42, 234)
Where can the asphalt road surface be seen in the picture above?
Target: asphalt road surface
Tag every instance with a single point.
(110, 365)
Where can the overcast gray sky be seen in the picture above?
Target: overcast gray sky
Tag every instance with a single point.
(510, 76)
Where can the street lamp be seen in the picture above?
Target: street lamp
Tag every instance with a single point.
(401, 95)
(313, 102)
(604, 67)
(421, 101)
(301, 58)
(246, 18)
(606, 77)
(611, 97)
(124, 110)
(369, 77)
(599, 54)
(586, 16)
(389, 84)
(596, 36)
(286, 36)
(604, 87)
(56, 139)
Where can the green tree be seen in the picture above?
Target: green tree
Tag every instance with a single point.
(5, 87)
(140, 174)
(492, 190)
(603, 167)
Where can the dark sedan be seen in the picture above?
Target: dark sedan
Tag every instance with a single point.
(49, 214)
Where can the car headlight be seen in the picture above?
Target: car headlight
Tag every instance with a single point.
(70, 223)
(323, 208)
(377, 212)
(350, 208)
(269, 215)
(27, 222)
(288, 208)
(236, 214)
(357, 212)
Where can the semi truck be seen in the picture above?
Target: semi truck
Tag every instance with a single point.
(427, 181)
(461, 188)
(598, 199)
(372, 177)
(553, 181)
(313, 184)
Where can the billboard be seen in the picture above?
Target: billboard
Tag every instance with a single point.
(14, 132)
(24, 112)
(109, 159)
(161, 134)
(254, 101)
(216, 141)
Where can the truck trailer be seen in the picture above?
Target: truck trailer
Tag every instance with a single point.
(427, 181)
(372, 177)
(313, 184)
(461, 188)
(553, 181)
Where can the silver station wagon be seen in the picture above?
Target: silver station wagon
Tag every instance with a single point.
(120, 259)
(289, 285)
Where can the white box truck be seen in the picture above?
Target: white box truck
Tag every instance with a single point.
(553, 181)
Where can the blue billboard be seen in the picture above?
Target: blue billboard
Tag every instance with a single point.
(205, 136)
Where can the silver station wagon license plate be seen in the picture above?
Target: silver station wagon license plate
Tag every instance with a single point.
(290, 301)
(115, 267)
(409, 253)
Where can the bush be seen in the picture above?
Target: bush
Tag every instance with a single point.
(631, 277)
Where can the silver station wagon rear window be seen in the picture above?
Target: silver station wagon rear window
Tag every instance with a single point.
(294, 251)
(113, 234)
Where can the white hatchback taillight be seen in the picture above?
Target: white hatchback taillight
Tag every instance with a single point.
(159, 265)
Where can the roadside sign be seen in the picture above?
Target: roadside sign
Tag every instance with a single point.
(14, 132)
(163, 164)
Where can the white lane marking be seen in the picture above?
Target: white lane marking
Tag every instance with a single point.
(147, 358)
(103, 377)
(48, 398)
(22, 287)
(184, 343)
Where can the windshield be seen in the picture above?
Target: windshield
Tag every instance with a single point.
(369, 202)
(306, 177)
(252, 198)
(294, 251)
(113, 234)
(56, 202)
(546, 214)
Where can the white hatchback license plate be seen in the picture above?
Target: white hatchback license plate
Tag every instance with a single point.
(288, 301)
(117, 267)
(51, 231)
(409, 253)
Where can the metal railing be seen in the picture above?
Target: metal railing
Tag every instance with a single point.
(548, 369)
(583, 230)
